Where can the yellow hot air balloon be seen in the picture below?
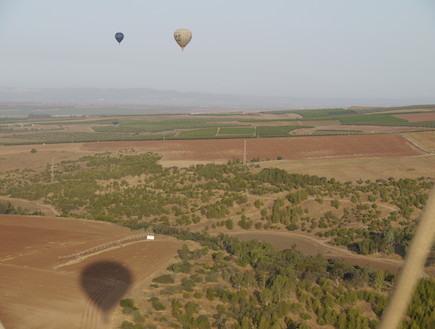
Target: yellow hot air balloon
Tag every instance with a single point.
(183, 37)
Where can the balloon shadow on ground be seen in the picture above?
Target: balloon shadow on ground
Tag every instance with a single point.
(105, 283)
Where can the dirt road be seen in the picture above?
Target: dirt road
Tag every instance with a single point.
(312, 246)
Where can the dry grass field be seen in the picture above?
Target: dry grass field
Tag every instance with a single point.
(20, 157)
(39, 291)
(363, 168)
(426, 139)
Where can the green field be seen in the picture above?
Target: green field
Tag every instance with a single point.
(321, 113)
(124, 129)
(198, 133)
(373, 120)
(167, 124)
(76, 137)
(11, 120)
(163, 125)
(277, 131)
(324, 113)
(396, 108)
(429, 124)
(237, 131)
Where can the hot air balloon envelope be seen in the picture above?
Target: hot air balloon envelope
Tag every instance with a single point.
(119, 36)
(182, 37)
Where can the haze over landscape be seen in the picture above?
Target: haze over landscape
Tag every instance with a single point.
(174, 102)
(276, 174)
(306, 53)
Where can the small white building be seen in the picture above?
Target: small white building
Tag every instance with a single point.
(150, 237)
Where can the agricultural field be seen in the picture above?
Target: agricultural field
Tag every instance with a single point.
(321, 113)
(38, 129)
(277, 131)
(370, 152)
(417, 117)
(426, 140)
(40, 291)
(296, 148)
(198, 133)
(237, 131)
(322, 132)
(373, 119)
(352, 169)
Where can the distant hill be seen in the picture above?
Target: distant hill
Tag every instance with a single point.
(151, 97)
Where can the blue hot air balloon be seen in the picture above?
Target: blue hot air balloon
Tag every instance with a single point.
(119, 36)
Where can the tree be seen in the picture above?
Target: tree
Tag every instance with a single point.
(342, 321)
(379, 279)
(335, 203)
(191, 308)
(202, 322)
(184, 253)
(281, 287)
(246, 323)
(266, 296)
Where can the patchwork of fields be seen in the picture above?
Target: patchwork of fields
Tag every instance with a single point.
(39, 291)
(38, 130)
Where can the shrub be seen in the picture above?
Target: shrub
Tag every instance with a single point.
(138, 318)
(128, 306)
(157, 305)
(187, 284)
(292, 227)
(126, 325)
(165, 278)
(198, 294)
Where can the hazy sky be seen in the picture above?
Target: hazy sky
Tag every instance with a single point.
(294, 48)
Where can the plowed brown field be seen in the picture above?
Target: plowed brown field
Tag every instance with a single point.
(296, 148)
(417, 117)
(35, 292)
